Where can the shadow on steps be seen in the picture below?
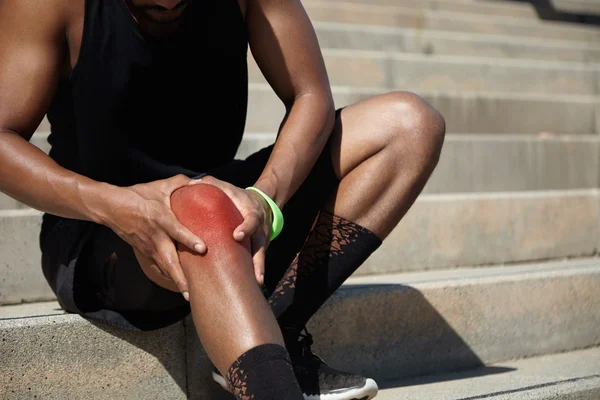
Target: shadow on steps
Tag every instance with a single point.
(547, 11)
(388, 332)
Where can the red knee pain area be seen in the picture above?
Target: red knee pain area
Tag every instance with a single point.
(209, 213)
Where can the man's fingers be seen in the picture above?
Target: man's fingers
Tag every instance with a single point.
(258, 259)
(169, 259)
(248, 227)
(178, 232)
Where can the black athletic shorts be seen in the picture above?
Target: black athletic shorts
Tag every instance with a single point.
(94, 273)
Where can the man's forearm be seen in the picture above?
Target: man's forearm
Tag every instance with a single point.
(33, 178)
(300, 143)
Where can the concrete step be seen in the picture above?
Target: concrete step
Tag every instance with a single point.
(434, 42)
(439, 231)
(387, 327)
(47, 354)
(21, 277)
(465, 112)
(415, 324)
(498, 163)
(397, 71)
(570, 376)
(578, 6)
(404, 17)
(476, 163)
(493, 8)
(442, 231)
(484, 163)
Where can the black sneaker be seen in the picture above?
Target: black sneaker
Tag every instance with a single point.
(318, 380)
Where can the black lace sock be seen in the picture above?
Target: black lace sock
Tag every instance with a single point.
(334, 249)
(263, 373)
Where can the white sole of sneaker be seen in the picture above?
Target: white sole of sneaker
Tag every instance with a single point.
(220, 380)
(366, 392)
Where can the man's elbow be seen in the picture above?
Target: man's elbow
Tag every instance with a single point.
(323, 104)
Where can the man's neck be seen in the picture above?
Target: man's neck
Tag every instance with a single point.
(153, 28)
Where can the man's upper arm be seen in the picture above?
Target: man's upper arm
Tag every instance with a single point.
(32, 47)
(285, 47)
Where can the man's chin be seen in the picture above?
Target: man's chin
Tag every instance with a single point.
(163, 18)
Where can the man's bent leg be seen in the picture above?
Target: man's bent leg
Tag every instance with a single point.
(233, 320)
(383, 150)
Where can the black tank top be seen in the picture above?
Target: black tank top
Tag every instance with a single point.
(136, 109)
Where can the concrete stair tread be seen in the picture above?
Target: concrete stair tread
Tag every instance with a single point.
(474, 275)
(575, 373)
(457, 35)
(464, 111)
(420, 280)
(517, 10)
(440, 231)
(395, 70)
(398, 16)
(578, 6)
(472, 59)
(387, 328)
(452, 42)
(462, 15)
(572, 98)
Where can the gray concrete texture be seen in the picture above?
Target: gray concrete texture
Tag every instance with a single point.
(21, 277)
(570, 376)
(578, 7)
(404, 17)
(333, 35)
(464, 112)
(499, 163)
(452, 73)
(8, 203)
(395, 326)
(486, 163)
(517, 10)
(386, 327)
(66, 357)
(439, 231)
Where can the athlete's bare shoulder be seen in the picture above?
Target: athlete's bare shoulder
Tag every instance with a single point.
(48, 22)
(34, 52)
(34, 15)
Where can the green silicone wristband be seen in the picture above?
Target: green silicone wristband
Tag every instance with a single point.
(277, 224)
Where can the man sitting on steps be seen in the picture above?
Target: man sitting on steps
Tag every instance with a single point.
(145, 95)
